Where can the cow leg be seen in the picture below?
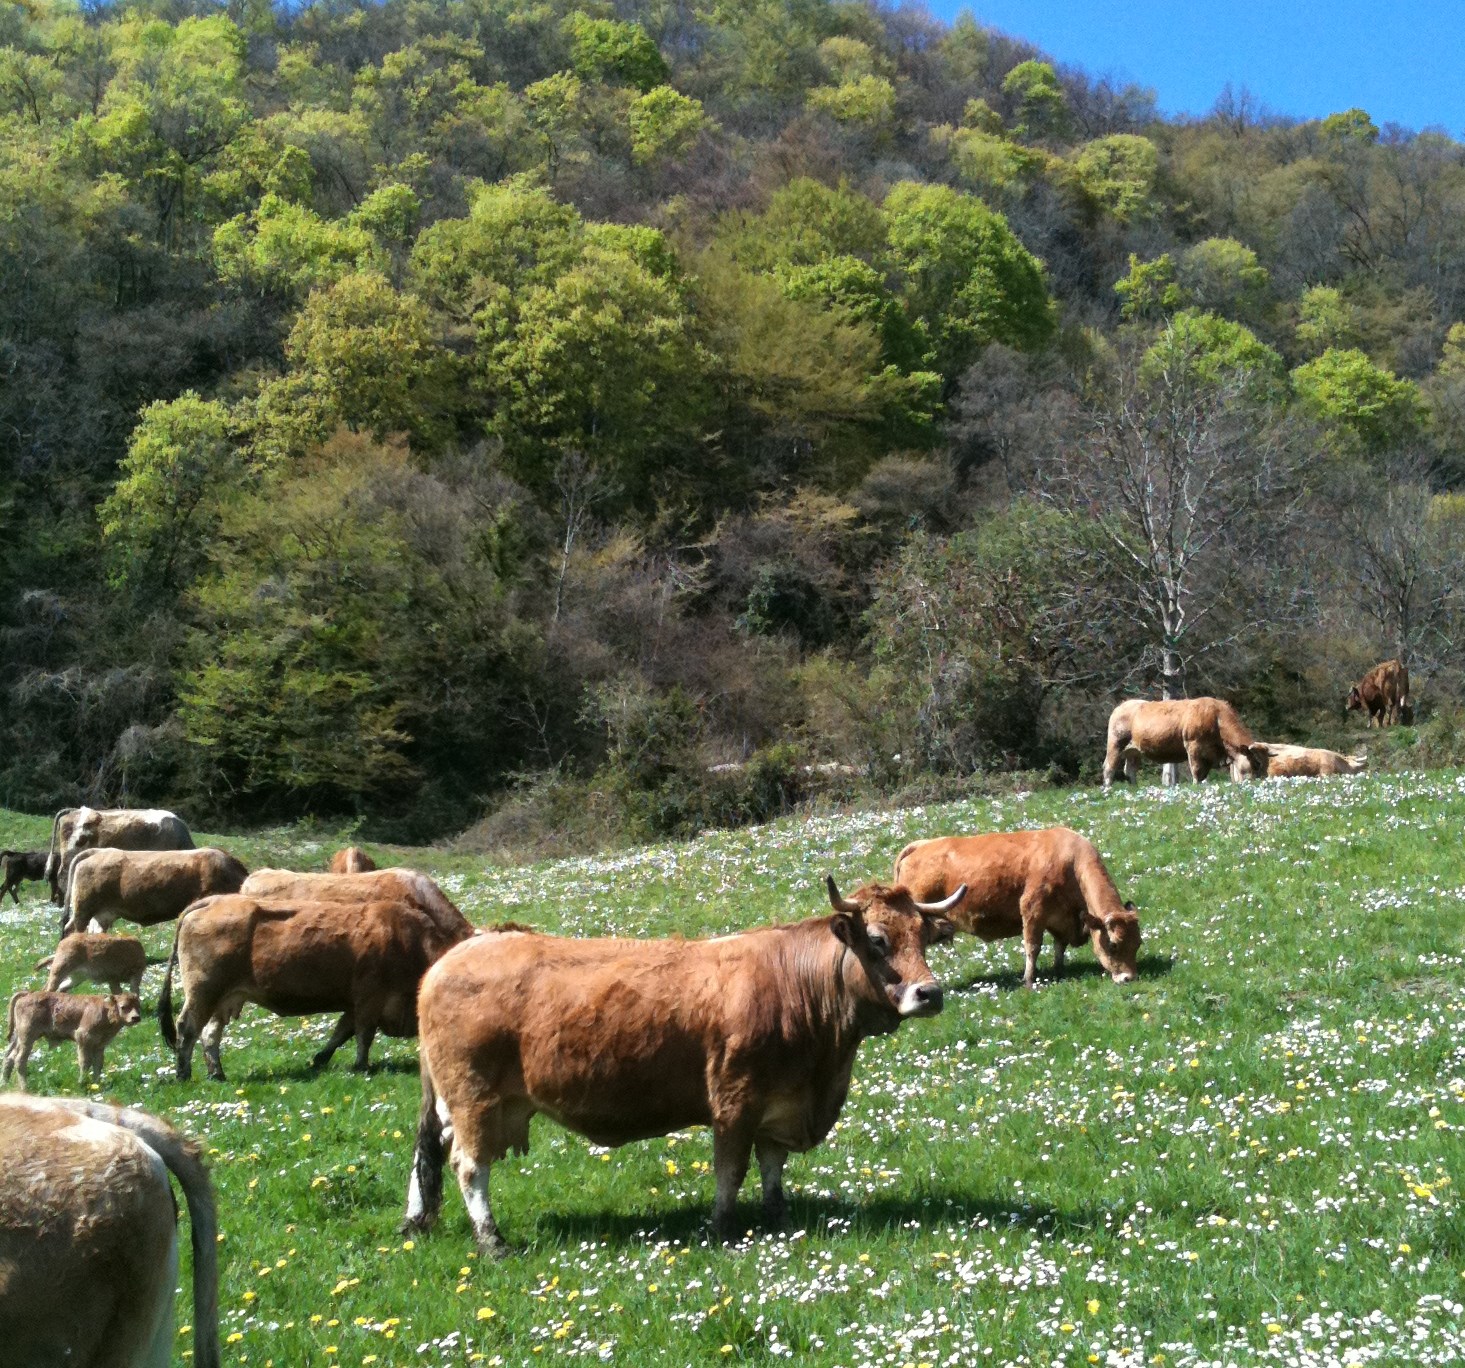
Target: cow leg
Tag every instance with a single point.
(211, 1039)
(1058, 951)
(473, 1183)
(15, 1059)
(1113, 762)
(345, 1029)
(731, 1151)
(1032, 943)
(1199, 765)
(771, 1159)
(365, 1034)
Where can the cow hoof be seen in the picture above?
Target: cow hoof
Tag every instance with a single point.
(319, 1063)
(495, 1247)
(775, 1214)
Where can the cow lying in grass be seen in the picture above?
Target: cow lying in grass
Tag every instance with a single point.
(1204, 733)
(1296, 762)
(89, 1237)
(1027, 883)
(91, 1021)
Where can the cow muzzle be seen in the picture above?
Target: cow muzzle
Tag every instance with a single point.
(921, 999)
(1123, 975)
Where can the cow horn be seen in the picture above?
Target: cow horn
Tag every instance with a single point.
(838, 902)
(945, 905)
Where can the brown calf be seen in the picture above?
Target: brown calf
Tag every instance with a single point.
(1296, 762)
(89, 1237)
(113, 960)
(1025, 883)
(91, 1021)
(1384, 693)
(18, 867)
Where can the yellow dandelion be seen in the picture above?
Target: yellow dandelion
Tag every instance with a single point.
(486, 1313)
(1093, 1306)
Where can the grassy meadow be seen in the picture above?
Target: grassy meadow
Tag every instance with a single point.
(1251, 1155)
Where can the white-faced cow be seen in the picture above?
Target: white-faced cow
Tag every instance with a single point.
(89, 1237)
(86, 828)
(144, 886)
(90, 1020)
(364, 960)
(753, 1034)
(1027, 883)
(1202, 732)
(117, 961)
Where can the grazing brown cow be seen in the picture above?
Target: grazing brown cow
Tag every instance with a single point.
(117, 961)
(364, 960)
(18, 867)
(352, 860)
(754, 1035)
(379, 885)
(1204, 732)
(89, 1237)
(91, 1021)
(145, 886)
(1025, 883)
(87, 828)
(1384, 692)
(1295, 762)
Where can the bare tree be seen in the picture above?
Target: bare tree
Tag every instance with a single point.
(581, 485)
(1191, 482)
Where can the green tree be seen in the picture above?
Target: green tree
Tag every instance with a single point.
(1118, 174)
(1040, 107)
(1325, 319)
(610, 50)
(1213, 351)
(964, 274)
(1223, 276)
(664, 124)
(288, 250)
(807, 222)
(1365, 403)
(182, 460)
(1150, 290)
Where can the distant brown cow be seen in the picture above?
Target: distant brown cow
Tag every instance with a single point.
(117, 961)
(1025, 883)
(1204, 732)
(364, 960)
(352, 860)
(89, 1237)
(87, 828)
(1295, 762)
(18, 867)
(1384, 692)
(91, 1021)
(378, 885)
(753, 1034)
(145, 886)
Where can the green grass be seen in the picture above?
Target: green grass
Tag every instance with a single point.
(1246, 1156)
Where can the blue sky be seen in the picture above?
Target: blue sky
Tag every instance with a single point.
(1402, 60)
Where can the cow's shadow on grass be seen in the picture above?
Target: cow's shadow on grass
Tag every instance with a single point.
(817, 1216)
(1149, 966)
(304, 1072)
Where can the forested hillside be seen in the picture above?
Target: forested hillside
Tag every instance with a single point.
(410, 405)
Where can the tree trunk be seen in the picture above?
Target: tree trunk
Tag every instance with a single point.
(1172, 685)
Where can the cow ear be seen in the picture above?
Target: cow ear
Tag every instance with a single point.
(1130, 907)
(845, 928)
(1091, 922)
(939, 930)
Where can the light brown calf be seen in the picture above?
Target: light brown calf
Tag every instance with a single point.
(89, 1237)
(117, 961)
(1027, 883)
(1297, 762)
(91, 1021)
(352, 860)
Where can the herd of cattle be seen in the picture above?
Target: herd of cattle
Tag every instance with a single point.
(753, 1034)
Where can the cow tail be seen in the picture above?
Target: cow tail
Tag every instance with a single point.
(899, 859)
(425, 1192)
(165, 998)
(52, 873)
(10, 1019)
(181, 1155)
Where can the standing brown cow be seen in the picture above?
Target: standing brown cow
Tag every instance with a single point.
(89, 1237)
(144, 886)
(1384, 692)
(1025, 883)
(1203, 732)
(88, 828)
(113, 960)
(364, 960)
(753, 1034)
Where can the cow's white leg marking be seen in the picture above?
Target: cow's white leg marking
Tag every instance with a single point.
(416, 1207)
(212, 1038)
(473, 1182)
(771, 1159)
